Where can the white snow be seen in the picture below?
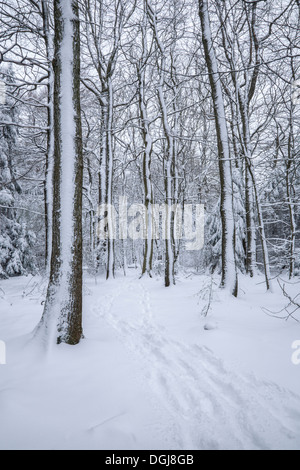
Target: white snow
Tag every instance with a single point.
(148, 375)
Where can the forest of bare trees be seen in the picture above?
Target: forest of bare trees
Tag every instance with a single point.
(174, 103)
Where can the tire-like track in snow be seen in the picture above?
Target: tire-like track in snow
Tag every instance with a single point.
(211, 406)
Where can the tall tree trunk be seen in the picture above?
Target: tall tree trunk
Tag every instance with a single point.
(169, 267)
(265, 251)
(229, 269)
(290, 199)
(250, 224)
(62, 317)
(148, 189)
(102, 244)
(50, 137)
(251, 188)
(106, 173)
(169, 155)
(249, 182)
(110, 263)
(177, 214)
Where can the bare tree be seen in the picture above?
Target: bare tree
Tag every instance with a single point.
(229, 270)
(48, 38)
(148, 147)
(62, 317)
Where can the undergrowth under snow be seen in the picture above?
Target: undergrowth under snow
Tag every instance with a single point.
(152, 372)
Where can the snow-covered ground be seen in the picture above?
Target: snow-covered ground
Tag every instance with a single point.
(152, 373)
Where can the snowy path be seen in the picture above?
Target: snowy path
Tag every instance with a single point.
(211, 406)
(148, 376)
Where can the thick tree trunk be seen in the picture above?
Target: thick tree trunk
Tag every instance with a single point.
(148, 252)
(50, 137)
(62, 318)
(229, 270)
(110, 263)
(148, 189)
(169, 268)
(106, 173)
